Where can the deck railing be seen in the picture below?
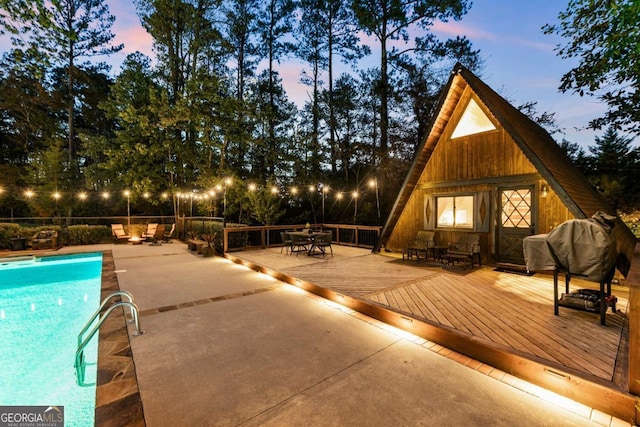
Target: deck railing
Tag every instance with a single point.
(633, 313)
(238, 238)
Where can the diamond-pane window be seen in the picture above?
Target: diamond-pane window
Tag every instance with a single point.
(516, 208)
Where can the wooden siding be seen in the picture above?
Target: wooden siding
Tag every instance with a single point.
(475, 157)
(520, 146)
(552, 211)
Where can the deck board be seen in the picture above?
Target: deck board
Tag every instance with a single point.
(509, 310)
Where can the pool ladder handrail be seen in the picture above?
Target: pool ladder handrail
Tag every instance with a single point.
(99, 310)
(79, 364)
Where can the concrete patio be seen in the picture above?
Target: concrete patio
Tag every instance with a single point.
(225, 345)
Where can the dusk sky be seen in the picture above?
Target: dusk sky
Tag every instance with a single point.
(520, 60)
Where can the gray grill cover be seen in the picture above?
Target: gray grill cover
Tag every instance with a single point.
(580, 246)
(537, 256)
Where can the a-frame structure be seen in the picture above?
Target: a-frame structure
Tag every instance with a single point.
(485, 167)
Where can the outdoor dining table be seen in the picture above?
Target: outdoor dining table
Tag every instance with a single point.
(310, 238)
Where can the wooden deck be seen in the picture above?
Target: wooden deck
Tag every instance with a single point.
(499, 309)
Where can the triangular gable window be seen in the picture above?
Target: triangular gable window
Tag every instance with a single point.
(473, 121)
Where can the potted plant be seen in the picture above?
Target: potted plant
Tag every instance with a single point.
(209, 248)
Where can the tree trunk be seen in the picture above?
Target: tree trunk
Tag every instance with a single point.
(384, 95)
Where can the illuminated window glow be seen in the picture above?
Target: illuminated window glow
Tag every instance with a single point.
(473, 121)
(455, 212)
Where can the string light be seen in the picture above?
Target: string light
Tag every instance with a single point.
(203, 194)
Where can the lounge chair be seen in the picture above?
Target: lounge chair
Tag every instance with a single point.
(151, 231)
(118, 232)
(166, 237)
(158, 235)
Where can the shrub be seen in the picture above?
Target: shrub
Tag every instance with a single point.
(85, 234)
(198, 230)
(9, 231)
(72, 235)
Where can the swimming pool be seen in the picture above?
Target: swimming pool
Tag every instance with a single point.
(44, 303)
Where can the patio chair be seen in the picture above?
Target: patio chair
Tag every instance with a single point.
(118, 232)
(166, 237)
(286, 242)
(423, 242)
(467, 247)
(158, 235)
(299, 243)
(323, 241)
(151, 231)
(45, 239)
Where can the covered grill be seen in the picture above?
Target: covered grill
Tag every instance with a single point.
(579, 247)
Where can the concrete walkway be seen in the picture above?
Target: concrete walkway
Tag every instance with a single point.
(251, 350)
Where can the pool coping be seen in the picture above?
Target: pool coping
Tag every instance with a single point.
(118, 401)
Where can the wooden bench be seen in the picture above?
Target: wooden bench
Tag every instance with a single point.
(196, 245)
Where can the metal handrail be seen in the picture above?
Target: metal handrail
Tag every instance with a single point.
(79, 364)
(99, 310)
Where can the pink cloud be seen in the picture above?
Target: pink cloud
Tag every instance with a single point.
(457, 28)
(134, 39)
(290, 74)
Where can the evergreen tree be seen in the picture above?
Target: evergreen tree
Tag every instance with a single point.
(604, 37)
(61, 32)
(274, 23)
(390, 20)
(613, 163)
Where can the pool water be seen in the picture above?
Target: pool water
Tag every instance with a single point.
(44, 303)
